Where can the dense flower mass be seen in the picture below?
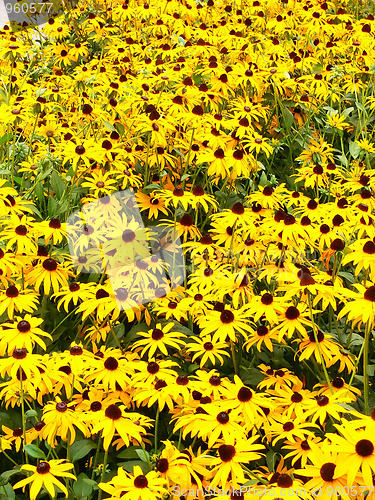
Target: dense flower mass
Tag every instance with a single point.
(245, 130)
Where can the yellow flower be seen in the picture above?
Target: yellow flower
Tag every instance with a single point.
(44, 474)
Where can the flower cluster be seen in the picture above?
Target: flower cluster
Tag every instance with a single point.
(247, 130)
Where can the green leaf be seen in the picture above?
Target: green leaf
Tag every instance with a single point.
(39, 191)
(354, 149)
(9, 492)
(4, 477)
(110, 126)
(132, 333)
(251, 376)
(81, 448)
(57, 184)
(84, 486)
(31, 413)
(143, 455)
(51, 207)
(128, 466)
(34, 451)
(129, 452)
(288, 118)
(6, 138)
(182, 329)
(120, 128)
(192, 368)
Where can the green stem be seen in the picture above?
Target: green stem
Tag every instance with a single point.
(156, 428)
(23, 419)
(9, 458)
(365, 366)
(318, 345)
(103, 472)
(234, 357)
(99, 445)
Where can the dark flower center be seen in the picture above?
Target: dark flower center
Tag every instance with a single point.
(238, 208)
(12, 292)
(162, 465)
(23, 326)
(160, 384)
(226, 452)
(21, 230)
(284, 481)
(226, 317)
(292, 313)
(65, 369)
(244, 394)
(50, 265)
(39, 426)
(141, 482)
(288, 426)
(296, 397)
(182, 380)
(320, 336)
(266, 299)
(111, 363)
(208, 346)
(337, 245)
(338, 383)
(128, 235)
(80, 150)
(187, 220)
(262, 331)
(305, 445)
(322, 401)
(153, 367)
(113, 412)
(74, 287)
(121, 294)
(364, 448)
(157, 334)
(61, 407)
(215, 380)
(43, 468)
(101, 294)
(222, 417)
(327, 471)
(96, 406)
(370, 294)
(198, 190)
(19, 353)
(76, 350)
(369, 247)
(55, 224)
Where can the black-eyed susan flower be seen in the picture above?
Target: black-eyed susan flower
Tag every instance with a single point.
(208, 349)
(225, 323)
(15, 300)
(135, 486)
(230, 457)
(113, 420)
(46, 474)
(322, 471)
(322, 345)
(111, 370)
(61, 420)
(50, 274)
(356, 450)
(23, 332)
(159, 339)
(327, 405)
